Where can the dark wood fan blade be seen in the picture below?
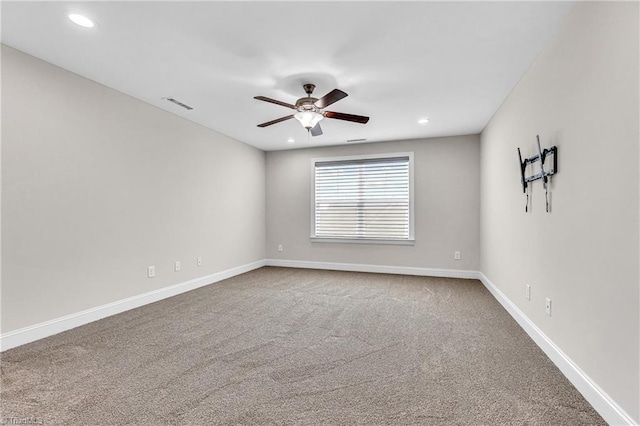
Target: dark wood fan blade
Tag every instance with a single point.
(347, 117)
(332, 97)
(273, 101)
(277, 120)
(317, 130)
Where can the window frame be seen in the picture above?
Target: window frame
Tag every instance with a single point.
(394, 241)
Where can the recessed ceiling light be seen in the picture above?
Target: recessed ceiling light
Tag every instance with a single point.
(291, 140)
(423, 121)
(81, 20)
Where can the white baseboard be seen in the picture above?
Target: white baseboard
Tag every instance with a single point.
(39, 331)
(379, 269)
(601, 402)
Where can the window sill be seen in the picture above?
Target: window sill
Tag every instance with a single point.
(409, 242)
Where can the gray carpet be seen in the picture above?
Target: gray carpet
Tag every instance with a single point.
(293, 346)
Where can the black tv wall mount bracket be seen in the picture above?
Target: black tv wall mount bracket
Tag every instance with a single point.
(548, 159)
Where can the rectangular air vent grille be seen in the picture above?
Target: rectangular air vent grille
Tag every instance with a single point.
(185, 106)
(356, 140)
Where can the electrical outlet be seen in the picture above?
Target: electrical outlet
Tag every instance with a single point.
(280, 247)
(199, 261)
(456, 255)
(151, 271)
(528, 292)
(548, 306)
(177, 266)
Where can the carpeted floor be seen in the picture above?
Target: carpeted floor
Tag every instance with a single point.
(294, 346)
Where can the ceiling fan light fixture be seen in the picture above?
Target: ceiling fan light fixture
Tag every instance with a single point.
(308, 119)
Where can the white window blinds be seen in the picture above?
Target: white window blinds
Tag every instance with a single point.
(365, 199)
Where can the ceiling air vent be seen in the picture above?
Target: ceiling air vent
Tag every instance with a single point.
(185, 106)
(356, 140)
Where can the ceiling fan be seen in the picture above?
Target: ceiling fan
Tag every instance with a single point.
(311, 110)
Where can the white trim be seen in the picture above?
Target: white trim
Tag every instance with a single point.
(601, 402)
(363, 241)
(357, 157)
(378, 269)
(48, 328)
(598, 398)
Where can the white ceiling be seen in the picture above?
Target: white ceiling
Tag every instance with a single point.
(453, 62)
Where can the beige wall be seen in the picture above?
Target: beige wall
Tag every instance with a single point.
(581, 94)
(96, 186)
(446, 206)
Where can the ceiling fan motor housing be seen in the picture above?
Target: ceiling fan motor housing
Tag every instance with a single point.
(306, 104)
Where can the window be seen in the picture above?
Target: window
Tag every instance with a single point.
(363, 199)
